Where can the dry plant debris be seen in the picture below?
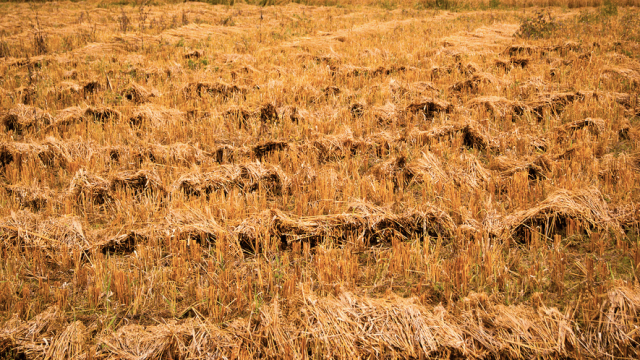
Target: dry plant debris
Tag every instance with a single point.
(369, 180)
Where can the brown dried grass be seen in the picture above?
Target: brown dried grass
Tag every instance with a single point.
(551, 216)
(247, 178)
(24, 117)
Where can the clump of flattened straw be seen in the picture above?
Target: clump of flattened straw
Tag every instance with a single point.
(24, 117)
(499, 106)
(429, 107)
(139, 182)
(138, 93)
(551, 215)
(88, 187)
(246, 177)
(218, 88)
(25, 229)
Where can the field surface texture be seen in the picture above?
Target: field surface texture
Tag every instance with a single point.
(357, 180)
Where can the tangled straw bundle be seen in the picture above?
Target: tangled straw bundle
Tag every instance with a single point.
(586, 206)
(23, 117)
(27, 230)
(350, 326)
(362, 221)
(247, 178)
(139, 182)
(88, 187)
(139, 94)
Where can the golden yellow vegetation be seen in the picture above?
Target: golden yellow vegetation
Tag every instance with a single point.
(369, 179)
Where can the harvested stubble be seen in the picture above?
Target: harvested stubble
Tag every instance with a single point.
(86, 187)
(27, 231)
(91, 87)
(267, 113)
(595, 126)
(139, 94)
(239, 115)
(102, 114)
(24, 117)
(51, 152)
(335, 147)
(630, 75)
(140, 182)
(246, 177)
(428, 169)
(417, 89)
(67, 89)
(25, 94)
(433, 135)
(617, 168)
(475, 137)
(75, 115)
(97, 190)
(536, 169)
(9, 152)
(187, 227)
(354, 71)
(627, 100)
(195, 54)
(155, 116)
(57, 153)
(276, 263)
(512, 63)
(522, 49)
(362, 222)
(465, 171)
(396, 169)
(35, 198)
(177, 153)
(586, 207)
(386, 114)
(54, 153)
(429, 107)
(220, 88)
(30, 337)
(354, 327)
(554, 102)
(472, 84)
(263, 149)
(499, 106)
(467, 69)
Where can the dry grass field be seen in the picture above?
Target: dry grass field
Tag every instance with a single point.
(342, 180)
